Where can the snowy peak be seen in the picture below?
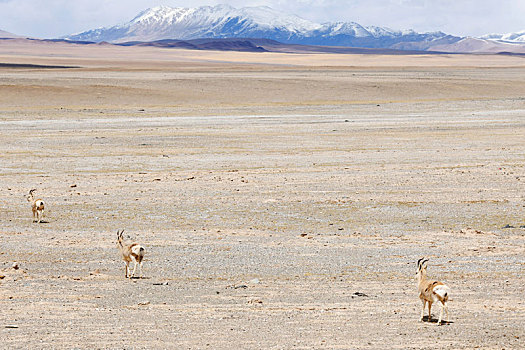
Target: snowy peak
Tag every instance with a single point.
(265, 16)
(347, 28)
(262, 16)
(166, 14)
(518, 37)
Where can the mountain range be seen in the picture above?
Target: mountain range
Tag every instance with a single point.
(180, 27)
(224, 21)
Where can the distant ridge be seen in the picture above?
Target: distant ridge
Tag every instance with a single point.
(478, 45)
(202, 44)
(7, 35)
(264, 45)
(233, 44)
(28, 65)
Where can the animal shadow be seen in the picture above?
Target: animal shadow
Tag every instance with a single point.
(435, 320)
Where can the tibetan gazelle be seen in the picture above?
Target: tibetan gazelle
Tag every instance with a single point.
(130, 252)
(37, 206)
(431, 291)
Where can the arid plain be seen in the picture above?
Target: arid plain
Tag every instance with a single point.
(283, 199)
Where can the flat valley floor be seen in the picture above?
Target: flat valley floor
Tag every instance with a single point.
(283, 199)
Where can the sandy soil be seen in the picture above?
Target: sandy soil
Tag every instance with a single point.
(282, 205)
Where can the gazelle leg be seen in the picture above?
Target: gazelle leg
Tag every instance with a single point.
(134, 269)
(423, 310)
(429, 313)
(441, 314)
(127, 268)
(140, 267)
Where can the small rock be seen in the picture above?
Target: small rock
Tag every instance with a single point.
(15, 266)
(73, 186)
(11, 326)
(255, 281)
(508, 226)
(359, 294)
(160, 283)
(144, 303)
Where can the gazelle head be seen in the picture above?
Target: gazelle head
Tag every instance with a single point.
(422, 265)
(120, 238)
(30, 197)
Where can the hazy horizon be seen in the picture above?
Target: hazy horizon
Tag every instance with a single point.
(57, 18)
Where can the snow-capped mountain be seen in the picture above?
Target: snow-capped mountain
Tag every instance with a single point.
(220, 21)
(518, 37)
(224, 21)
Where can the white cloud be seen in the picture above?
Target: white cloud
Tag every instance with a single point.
(54, 18)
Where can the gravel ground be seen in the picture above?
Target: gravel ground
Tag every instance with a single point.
(272, 223)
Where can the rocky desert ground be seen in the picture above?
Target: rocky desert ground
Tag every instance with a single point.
(283, 199)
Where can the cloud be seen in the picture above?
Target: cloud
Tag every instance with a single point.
(54, 18)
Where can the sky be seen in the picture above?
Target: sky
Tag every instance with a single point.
(56, 18)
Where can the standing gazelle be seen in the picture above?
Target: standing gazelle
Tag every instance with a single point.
(37, 205)
(431, 291)
(130, 252)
